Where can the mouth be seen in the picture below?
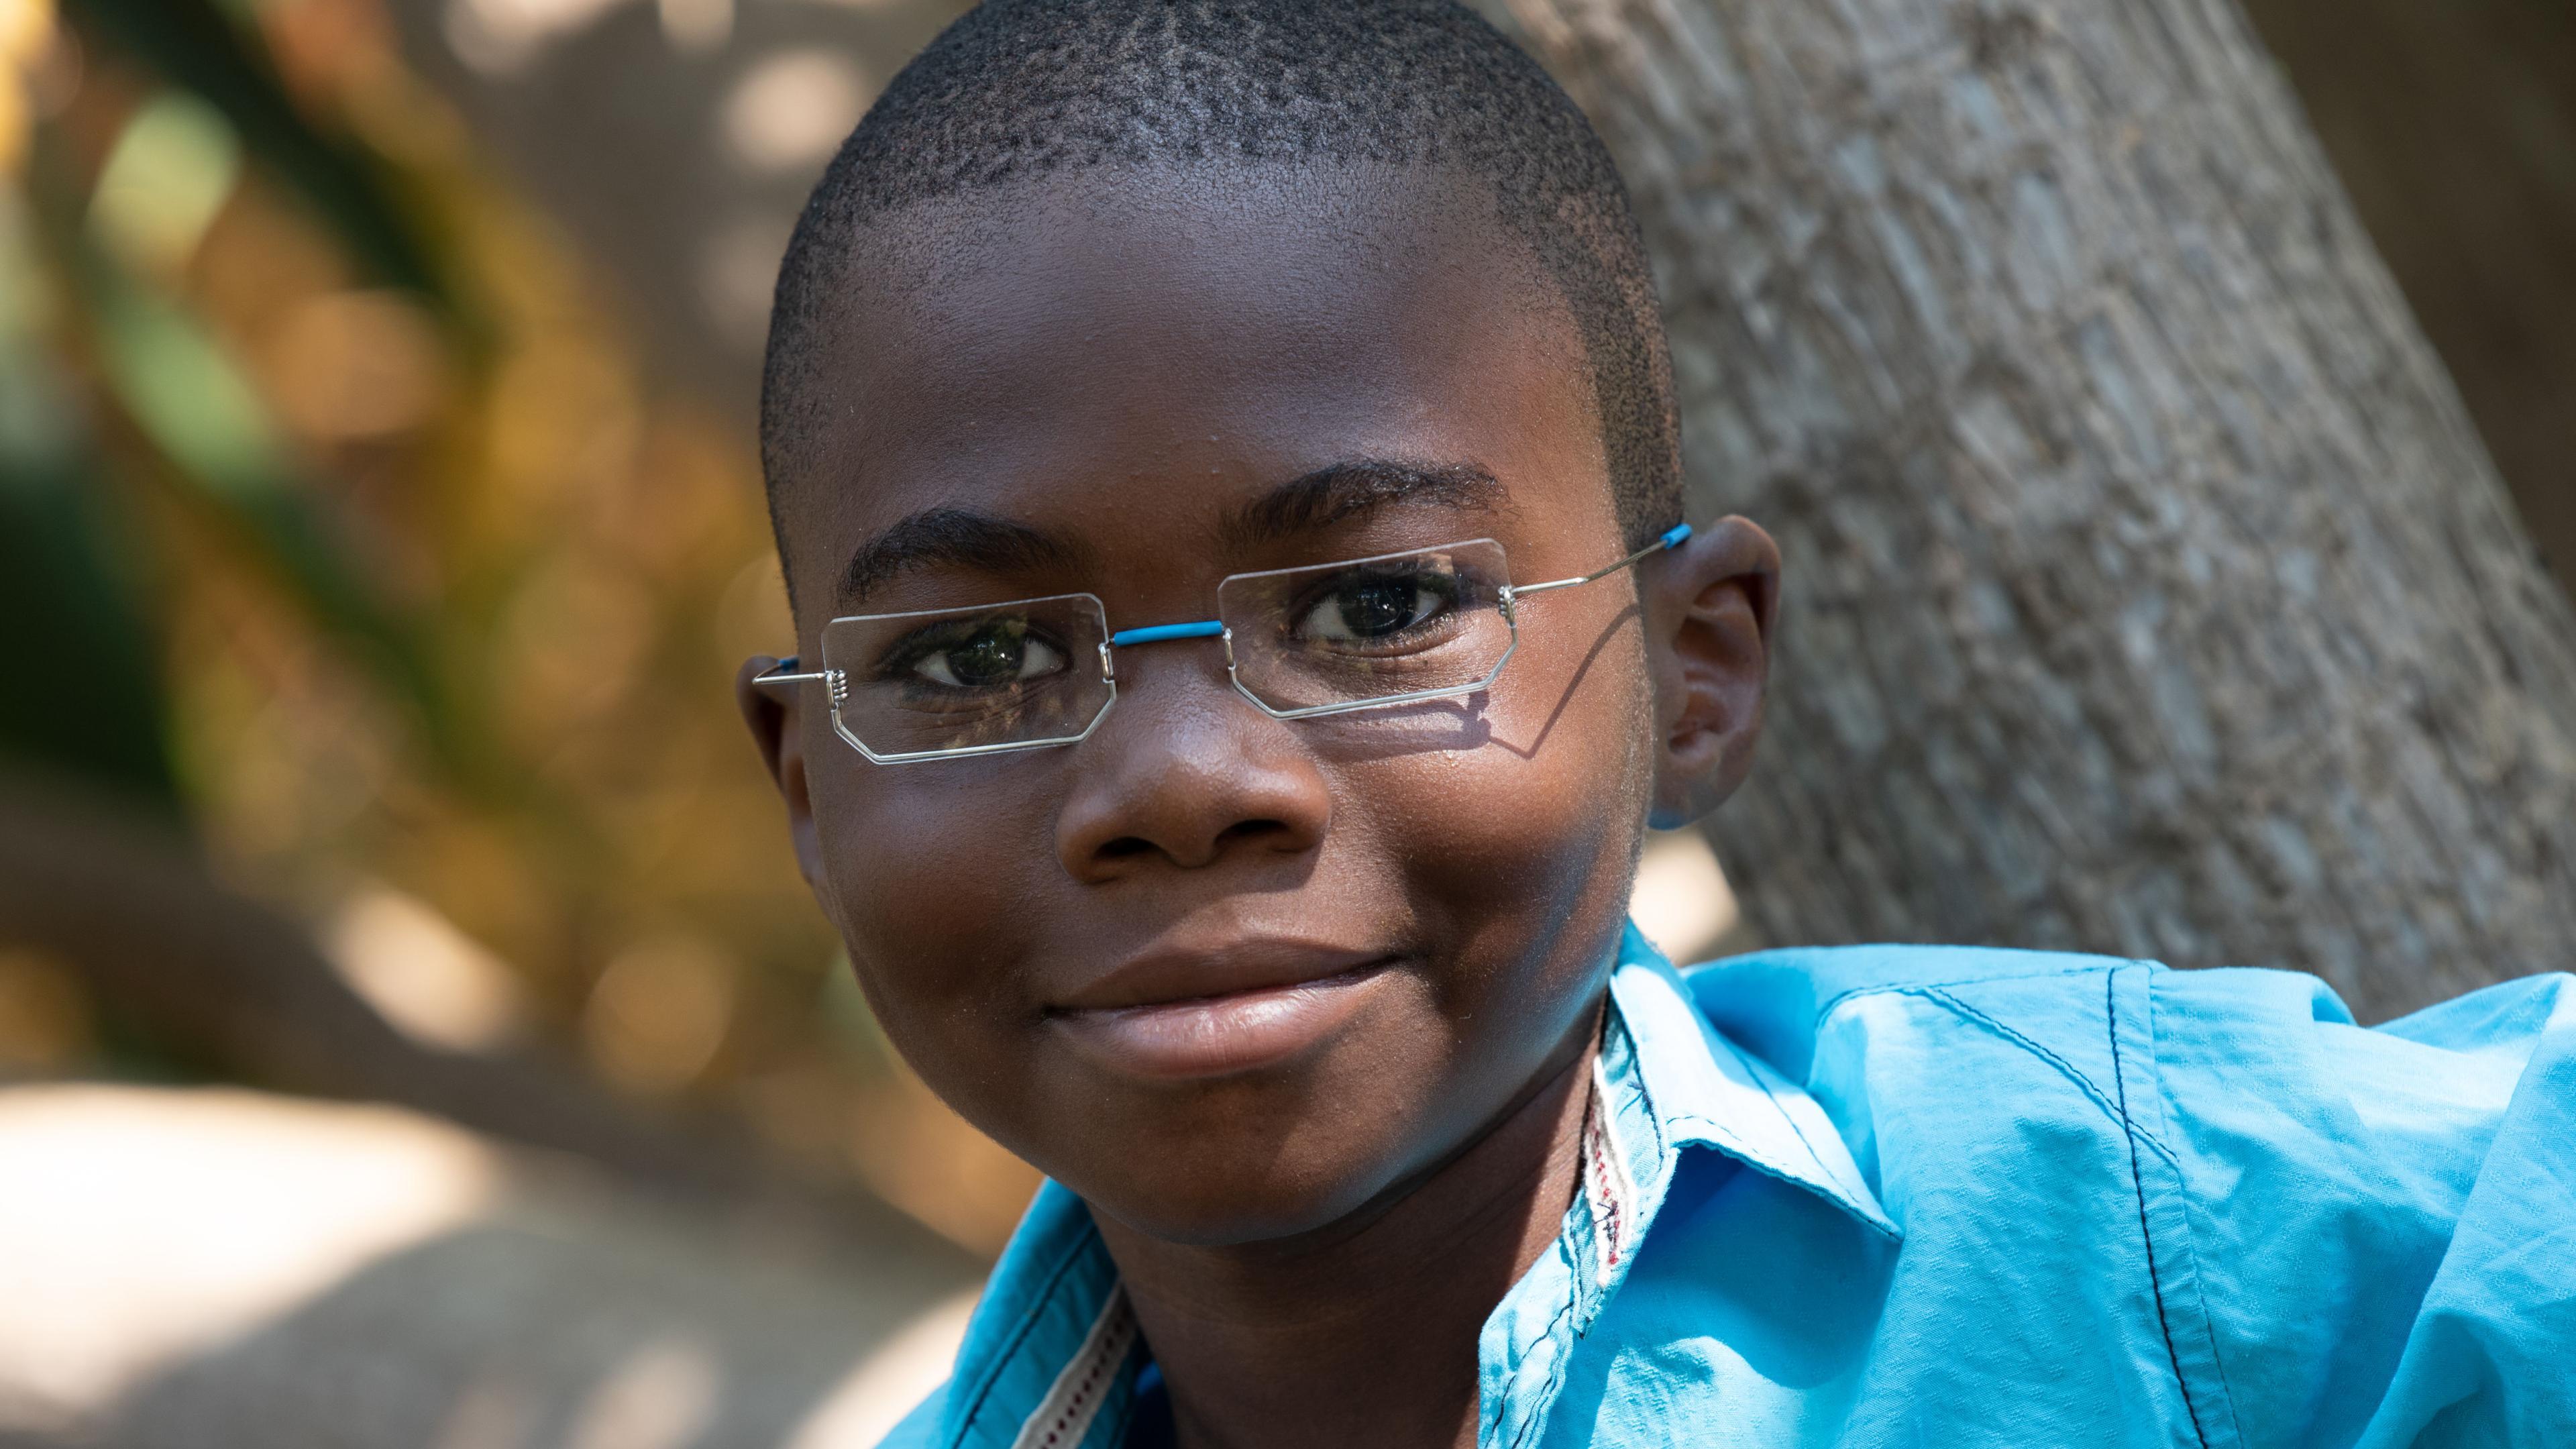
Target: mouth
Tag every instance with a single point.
(1181, 1016)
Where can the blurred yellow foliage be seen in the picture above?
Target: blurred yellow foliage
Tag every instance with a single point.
(583, 559)
(44, 1016)
(26, 31)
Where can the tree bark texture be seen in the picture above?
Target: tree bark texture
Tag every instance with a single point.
(2148, 590)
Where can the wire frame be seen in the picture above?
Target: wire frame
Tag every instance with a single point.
(947, 683)
(1391, 629)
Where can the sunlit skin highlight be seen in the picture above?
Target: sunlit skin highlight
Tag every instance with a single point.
(1299, 1008)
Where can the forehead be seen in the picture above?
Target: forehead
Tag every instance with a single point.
(1153, 349)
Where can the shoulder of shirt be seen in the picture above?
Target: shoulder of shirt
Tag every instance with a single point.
(1790, 990)
(2098, 1020)
(1832, 973)
(2340, 1228)
(1774, 1001)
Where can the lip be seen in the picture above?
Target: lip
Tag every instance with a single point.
(1181, 1015)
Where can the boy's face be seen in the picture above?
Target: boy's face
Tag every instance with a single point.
(1226, 976)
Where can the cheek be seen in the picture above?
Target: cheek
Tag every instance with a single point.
(1524, 839)
(1503, 855)
(939, 893)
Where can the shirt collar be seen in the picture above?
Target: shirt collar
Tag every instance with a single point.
(1702, 1088)
(1050, 1357)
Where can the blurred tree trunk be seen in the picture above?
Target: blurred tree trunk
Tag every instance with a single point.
(2149, 590)
(2453, 126)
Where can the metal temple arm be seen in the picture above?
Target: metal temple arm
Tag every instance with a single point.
(785, 672)
(1672, 537)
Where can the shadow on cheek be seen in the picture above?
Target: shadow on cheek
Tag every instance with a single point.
(1432, 726)
(1574, 682)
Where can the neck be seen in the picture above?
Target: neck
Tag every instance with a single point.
(1363, 1332)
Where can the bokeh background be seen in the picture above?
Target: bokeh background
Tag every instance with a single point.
(380, 526)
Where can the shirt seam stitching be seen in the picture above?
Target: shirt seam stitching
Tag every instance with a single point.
(2101, 1099)
(2208, 1322)
(1637, 1071)
(1555, 1371)
(1777, 1106)
(1839, 999)
(1831, 1189)
(1777, 1173)
(2137, 1181)
(1938, 993)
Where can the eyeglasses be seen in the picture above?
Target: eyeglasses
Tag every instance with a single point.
(1368, 633)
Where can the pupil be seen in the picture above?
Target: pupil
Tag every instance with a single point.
(1377, 607)
(992, 656)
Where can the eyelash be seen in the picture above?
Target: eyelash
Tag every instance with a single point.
(897, 664)
(1454, 593)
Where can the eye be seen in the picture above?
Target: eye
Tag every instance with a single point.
(995, 654)
(1369, 607)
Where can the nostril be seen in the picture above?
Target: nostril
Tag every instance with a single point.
(1128, 847)
(1249, 830)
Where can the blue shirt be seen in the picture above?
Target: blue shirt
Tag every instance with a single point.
(1944, 1196)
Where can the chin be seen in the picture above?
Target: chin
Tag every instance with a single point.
(1243, 1162)
(1213, 1207)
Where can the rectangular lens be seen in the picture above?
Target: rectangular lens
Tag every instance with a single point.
(959, 679)
(1427, 622)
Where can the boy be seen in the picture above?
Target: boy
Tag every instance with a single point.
(1224, 461)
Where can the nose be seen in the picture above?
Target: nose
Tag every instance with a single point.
(1185, 773)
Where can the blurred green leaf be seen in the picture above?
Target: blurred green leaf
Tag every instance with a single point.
(81, 694)
(190, 401)
(164, 181)
(192, 44)
(186, 395)
(205, 418)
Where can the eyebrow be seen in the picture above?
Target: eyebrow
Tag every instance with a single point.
(956, 537)
(1340, 492)
(1335, 493)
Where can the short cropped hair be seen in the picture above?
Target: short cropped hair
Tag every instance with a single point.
(1023, 89)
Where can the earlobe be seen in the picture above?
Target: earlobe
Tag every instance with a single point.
(1710, 609)
(775, 731)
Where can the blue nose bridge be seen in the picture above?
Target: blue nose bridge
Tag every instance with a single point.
(1156, 633)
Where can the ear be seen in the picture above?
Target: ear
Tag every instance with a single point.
(1710, 607)
(773, 715)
